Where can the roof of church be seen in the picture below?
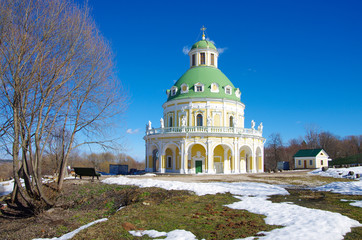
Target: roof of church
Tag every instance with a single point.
(308, 152)
(203, 44)
(206, 76)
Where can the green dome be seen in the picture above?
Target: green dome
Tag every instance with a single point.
(204, 75)
(203, 44)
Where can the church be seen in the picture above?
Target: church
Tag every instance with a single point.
(202, 129)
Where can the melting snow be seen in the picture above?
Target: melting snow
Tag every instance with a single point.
(348, 188)
(339, 172)
(356, 203)
(73, 233)
(6, 187)
(299, 222)
(175, 234)
(237, 188)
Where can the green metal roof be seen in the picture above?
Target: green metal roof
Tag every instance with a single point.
(204, 44)
(204, 75)
(308, 152)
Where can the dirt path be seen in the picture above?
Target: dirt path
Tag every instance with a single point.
(299, 178)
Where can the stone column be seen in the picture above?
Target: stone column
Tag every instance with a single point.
(236, 157)
(182, 153)
(174, 160)
(146, 155)
(163, 164)
(210, 158)
(255, 166)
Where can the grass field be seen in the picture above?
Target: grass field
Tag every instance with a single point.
(205, 216)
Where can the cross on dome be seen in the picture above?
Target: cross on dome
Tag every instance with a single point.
(203, 32)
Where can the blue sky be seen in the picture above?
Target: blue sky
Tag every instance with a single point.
(296, 62)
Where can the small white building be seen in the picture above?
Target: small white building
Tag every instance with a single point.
(311, 158)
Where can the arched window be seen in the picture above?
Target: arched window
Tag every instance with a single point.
(199, 120)
(170, 122)
(231, 122)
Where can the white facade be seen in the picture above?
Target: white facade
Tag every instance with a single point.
(202, 129)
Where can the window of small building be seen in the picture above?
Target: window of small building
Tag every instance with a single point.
(212, 57)
(199, 120)
(170, 122)
(231, 121)
(299, 162)
(321, 162)
(202, 58)
(310, 162)
(169, 162)
(193, 61)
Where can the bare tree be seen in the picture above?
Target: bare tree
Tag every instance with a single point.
(274, 151)
(355, 146)
(57, 76)
(312, 136)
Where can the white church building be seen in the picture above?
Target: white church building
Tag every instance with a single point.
(202, 128)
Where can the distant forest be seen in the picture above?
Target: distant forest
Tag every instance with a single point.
(340, 149)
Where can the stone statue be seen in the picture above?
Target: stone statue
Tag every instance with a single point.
(235, 122)
(252, 124)
(260, 128)
(209, 121)
(149, 125)
(162, 123)
(183, 121)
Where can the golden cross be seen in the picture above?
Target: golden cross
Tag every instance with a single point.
(203, 32)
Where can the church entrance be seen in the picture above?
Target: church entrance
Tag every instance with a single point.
(198, 166)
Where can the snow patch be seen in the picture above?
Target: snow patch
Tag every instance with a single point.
(237, 188)
(173, 235)
(356, 203)
(339, 172)
(6, 187)
(348, 188)
(300, 222)
(73, 233)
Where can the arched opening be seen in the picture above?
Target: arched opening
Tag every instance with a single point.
(171, 157)
(197, 158)
(155, 160)
(246, 160)
(223, 159)
(231, 121)
(199, 120)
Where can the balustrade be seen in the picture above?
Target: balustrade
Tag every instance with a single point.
(204, 129)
